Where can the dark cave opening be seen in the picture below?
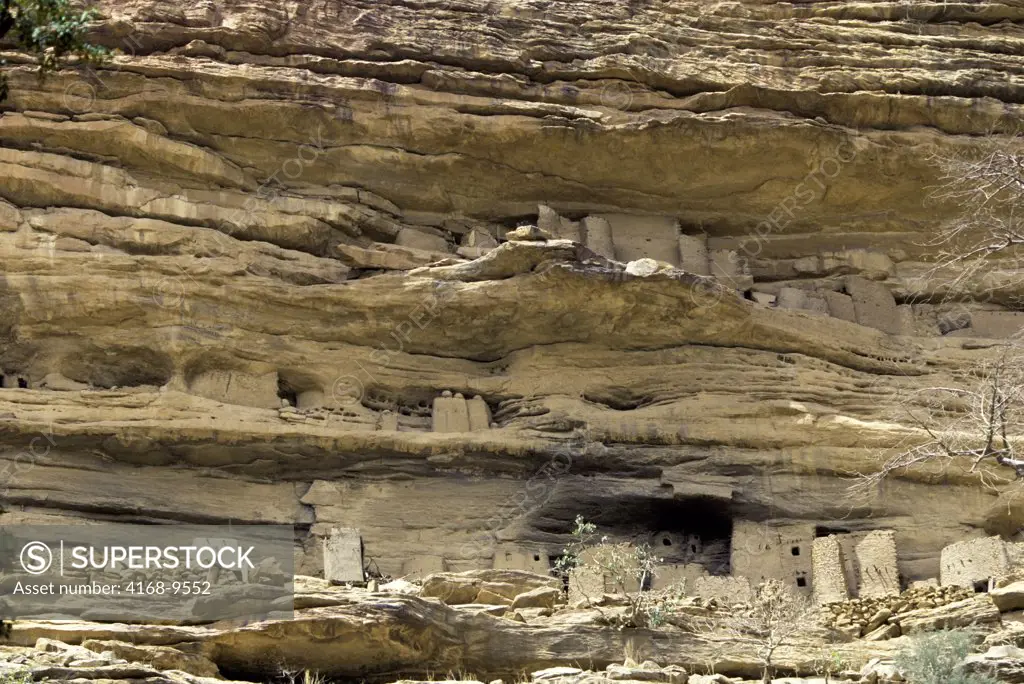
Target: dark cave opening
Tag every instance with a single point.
(13, 381)
(680, 530)
(287, 392)
(118, 366)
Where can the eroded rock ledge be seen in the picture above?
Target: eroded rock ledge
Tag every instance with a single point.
(319, 205)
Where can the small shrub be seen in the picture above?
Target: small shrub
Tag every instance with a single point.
(829, 664)
(297, 677)
(51, 31)
(22, 676)
(621, 567)
(938, 658)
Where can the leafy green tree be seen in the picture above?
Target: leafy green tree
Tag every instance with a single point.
(51, 30)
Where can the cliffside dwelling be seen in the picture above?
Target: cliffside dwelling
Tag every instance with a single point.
(829, 568)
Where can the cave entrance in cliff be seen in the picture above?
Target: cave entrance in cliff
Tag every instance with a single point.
(13, 381)
(679, 530)
(692, 530)
(301, 390)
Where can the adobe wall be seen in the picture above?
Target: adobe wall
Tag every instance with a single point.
(874, 305)
(457, 414)
(449, 413)
(678, 575)
(236, 387)
(639, 237)
(879, 570)
(996, 324)
(974, 560)
(732, 589)
(516, 557)
(761, 551)
(693, 254)
(590, 580)
(828, 571)
(419, 567)
(848, 547)
(343, 556)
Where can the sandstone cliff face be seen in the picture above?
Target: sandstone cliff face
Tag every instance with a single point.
(310, 201)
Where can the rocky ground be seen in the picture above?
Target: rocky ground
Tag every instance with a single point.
(484, 625)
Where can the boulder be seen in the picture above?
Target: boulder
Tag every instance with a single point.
(528, 234)
(642, 267)
(531, 614)
(672, 674)
(881, 669)
(555, 673)
(400, 586)
(882, 632)
(1010, 597)
(506, 590)
(977, 610)
(450, 588)
(878, 619)
(541, 597)
(488, 597)
(159, 657)
(484, 586)
(1005, 663)
(709, 679)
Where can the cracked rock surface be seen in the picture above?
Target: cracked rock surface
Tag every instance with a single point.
(241, 261)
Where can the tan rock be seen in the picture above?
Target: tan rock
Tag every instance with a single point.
(237, 239)
(490, 597)
(877, 619)
(888, 631)
(1009, 597)
(191, 660)
(541, 597)
(528, 234)
(977, 610)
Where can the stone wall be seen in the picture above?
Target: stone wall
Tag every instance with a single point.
(729, 589)
(237, 387)
(457, 414)
(517, 557)
(596, 572)
(973, 561)
(783, 552)
(881, 615)
(678, 575)
(829, 571)
(876, 558)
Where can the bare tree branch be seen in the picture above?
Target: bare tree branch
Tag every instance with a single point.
(970, 427)
(774, 618)
(986, 180)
